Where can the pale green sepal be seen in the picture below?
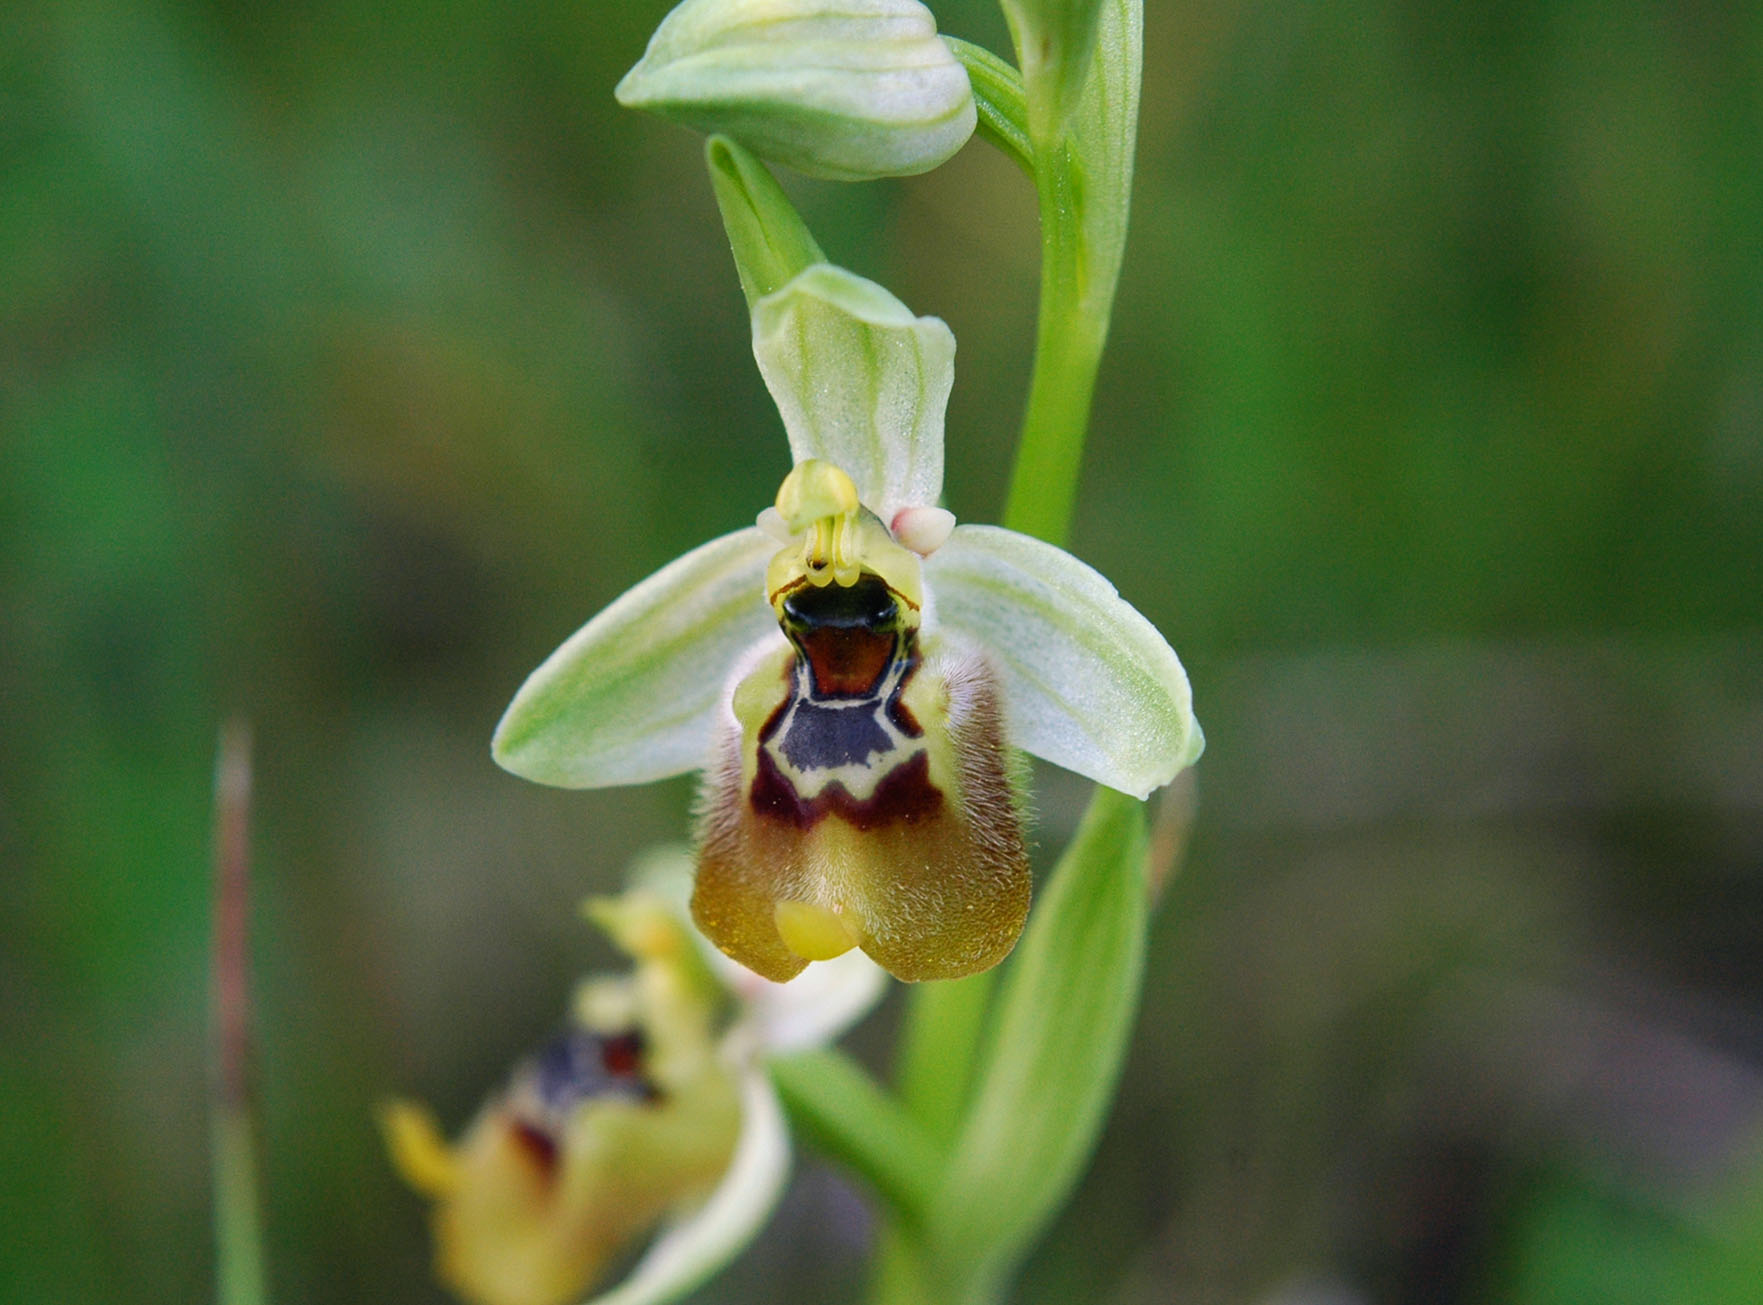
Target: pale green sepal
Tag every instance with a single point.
(860, 382)
(702, 1241)
(631, 696)
(770, 241)
(1089, 684)
(845, 89)
(997, 95)
(1054, 40)
(1057, 1042)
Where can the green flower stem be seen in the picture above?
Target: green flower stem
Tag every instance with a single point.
(903, 1273)
(848, 1116)
(946, 1017)
(1083, 180)
(1082, 167)
(1068, 349)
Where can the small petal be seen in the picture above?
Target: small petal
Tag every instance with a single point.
(923, 529)
(700, 1243)
(771, 523)
(1089, 683)
(846, 89)
(419, 1151)
(860, 381)
(632, 696)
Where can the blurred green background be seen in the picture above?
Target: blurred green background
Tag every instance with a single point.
(352, 354)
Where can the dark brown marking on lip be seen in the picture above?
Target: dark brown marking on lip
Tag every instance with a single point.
(905, 795)
(849, 642)
(828, 732)
(536, 1145)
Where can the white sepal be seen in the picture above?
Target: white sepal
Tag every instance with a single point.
(1089, 684)
(702, 1240)
(812, 1009)
(860, 382)
(632, 695)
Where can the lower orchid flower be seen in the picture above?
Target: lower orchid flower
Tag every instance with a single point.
(640, 1115)
(851, 672)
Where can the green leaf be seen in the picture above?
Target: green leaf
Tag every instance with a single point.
(934, 1059)
(845, 89)
(770, 241)
(845, 1113)
(997, 94)
(1058, 1041)
(1054, 40)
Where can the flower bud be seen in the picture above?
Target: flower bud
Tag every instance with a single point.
(625, 1117)
(845, 89)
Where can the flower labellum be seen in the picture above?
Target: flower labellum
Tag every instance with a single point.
(616, 1121)
(858, 786)
(652, 1112)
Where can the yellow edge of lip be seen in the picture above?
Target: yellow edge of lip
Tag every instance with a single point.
(813, 932)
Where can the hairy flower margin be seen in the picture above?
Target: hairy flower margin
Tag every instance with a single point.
(639, 1116)
(655, 685)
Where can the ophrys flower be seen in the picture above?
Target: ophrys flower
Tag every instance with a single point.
(851, 671)
(641, 1113)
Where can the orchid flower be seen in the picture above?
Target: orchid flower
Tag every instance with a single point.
(850, 672)
(638, 1116)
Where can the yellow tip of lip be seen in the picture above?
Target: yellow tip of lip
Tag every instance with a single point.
(813, 932)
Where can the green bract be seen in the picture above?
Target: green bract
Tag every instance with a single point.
(845, 89)
(1054, 39)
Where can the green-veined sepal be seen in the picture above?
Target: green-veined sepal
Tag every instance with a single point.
(860, 381)
(1089, 683)
(632, 696)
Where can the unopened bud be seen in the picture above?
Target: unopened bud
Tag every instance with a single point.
(846, 89)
